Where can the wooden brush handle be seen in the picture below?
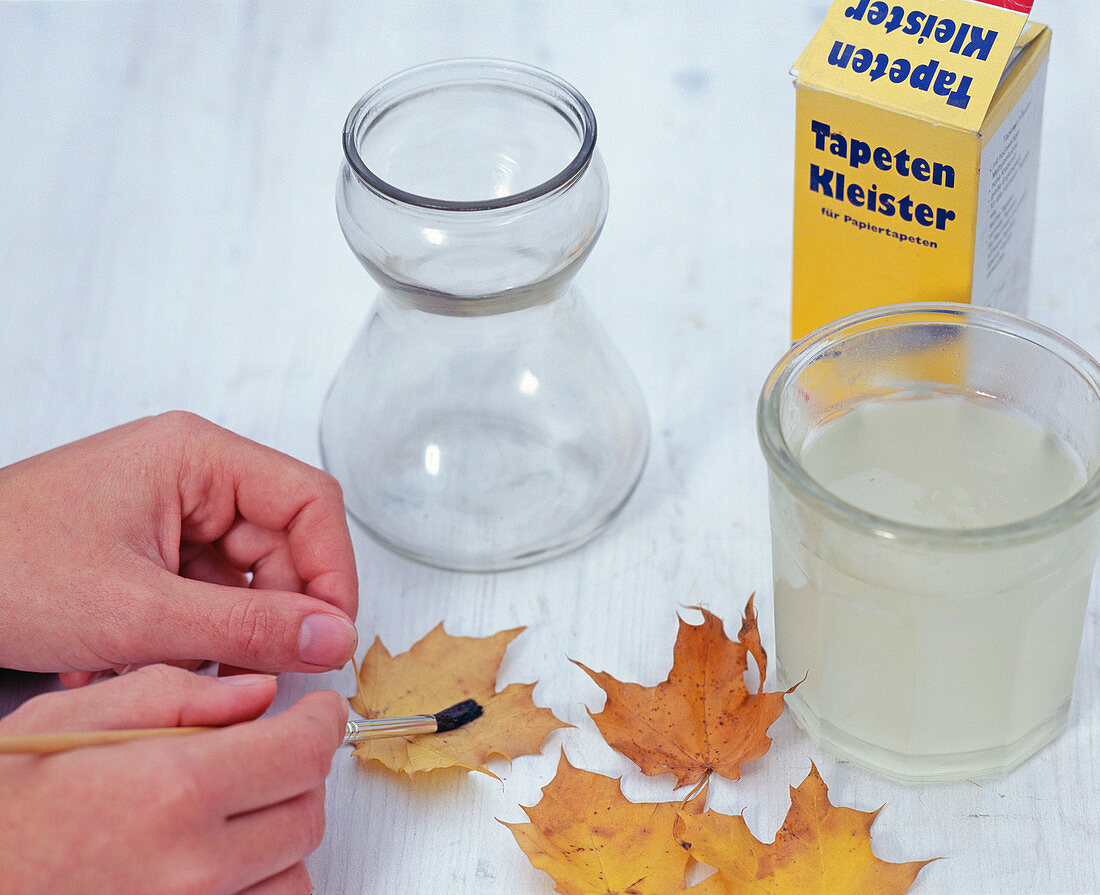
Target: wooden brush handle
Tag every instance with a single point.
(354, 732)
(45, 743)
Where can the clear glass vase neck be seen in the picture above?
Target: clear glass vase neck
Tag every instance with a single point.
(464, 262)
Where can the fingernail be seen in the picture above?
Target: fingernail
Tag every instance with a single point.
(326, 640)
(247, 680)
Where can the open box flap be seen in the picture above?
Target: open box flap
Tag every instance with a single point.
(936, 59)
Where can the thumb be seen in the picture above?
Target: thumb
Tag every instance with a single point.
(264, 630)
(153, 696)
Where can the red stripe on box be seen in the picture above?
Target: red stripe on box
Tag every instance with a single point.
(1023, 6)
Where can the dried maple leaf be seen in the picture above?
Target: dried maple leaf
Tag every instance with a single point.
(703, 718)
(592, 841)
(820, 848)
(439, 671)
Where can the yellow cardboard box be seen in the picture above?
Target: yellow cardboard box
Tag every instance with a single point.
(916, 156)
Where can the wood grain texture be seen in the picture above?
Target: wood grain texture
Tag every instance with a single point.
(168, 240)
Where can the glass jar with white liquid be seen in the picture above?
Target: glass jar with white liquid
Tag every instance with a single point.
(934, 487)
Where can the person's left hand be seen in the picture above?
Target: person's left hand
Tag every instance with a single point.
(172, 539)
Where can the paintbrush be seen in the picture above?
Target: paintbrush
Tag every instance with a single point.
(356, 731)
(458, 715)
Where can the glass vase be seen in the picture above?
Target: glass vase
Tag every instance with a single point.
(482, 419)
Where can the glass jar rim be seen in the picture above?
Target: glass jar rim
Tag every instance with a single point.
(519, 75)
(783, 463)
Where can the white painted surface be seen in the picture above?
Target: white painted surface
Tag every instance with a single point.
(168, 240)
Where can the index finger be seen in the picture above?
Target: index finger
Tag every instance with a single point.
(274, 490)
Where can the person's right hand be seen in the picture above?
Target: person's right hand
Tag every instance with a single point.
(220, 812)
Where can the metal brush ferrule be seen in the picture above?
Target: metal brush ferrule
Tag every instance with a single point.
(376, 728)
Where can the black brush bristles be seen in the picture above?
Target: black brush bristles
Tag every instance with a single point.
(457, 715)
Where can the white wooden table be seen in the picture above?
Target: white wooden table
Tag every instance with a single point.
(168, 240)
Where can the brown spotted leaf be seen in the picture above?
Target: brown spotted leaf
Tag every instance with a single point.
(592, 841)
(703, 718)
(820, 848)
(438, 672)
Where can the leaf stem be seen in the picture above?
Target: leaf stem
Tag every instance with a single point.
(698, 788)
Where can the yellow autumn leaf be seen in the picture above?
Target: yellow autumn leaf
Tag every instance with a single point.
(820, 848)
(437, 672)
(591, 840)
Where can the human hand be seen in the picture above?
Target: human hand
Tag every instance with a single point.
(221, 812)
(172, 539)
